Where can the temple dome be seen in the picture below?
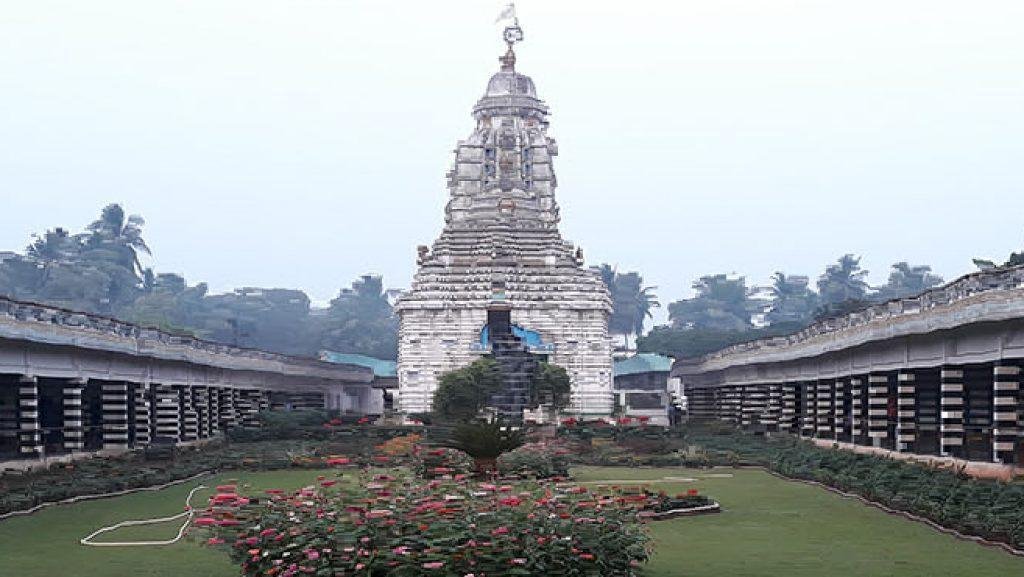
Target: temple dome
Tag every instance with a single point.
(507, 83)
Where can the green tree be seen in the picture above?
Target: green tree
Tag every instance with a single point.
(361, 320)
(550, 386)
(792, 302)
(721, 303)
(843, 281)
(462, 394)
(907, 280)
(120, 234)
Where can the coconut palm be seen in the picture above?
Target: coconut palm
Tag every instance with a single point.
(843, 281)
(120, 234)
(906, 280)
(791, 299)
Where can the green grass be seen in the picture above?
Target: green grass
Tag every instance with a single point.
(774, 527)
(769, 527)
(46, 544)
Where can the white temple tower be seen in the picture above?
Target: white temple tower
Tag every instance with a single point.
(501, 243)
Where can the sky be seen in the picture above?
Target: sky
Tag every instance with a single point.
(301, 143)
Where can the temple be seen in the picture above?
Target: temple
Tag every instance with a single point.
(500, 249)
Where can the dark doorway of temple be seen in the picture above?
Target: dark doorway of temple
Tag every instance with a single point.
(8, 417)
(92, 415)
(926, 402)
(978, 412)
(51, 415)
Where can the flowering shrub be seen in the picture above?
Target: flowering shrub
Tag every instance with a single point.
(444, 462)
(535, 460)
(404, 446)
(402, 526)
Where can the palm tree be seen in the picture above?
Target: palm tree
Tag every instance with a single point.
(53, 246)
(644, 301)
(906, 280)
(791, 299)
(843, 281)
(122, 234)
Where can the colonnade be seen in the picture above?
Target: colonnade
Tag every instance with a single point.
(41, 416)
(972, 412)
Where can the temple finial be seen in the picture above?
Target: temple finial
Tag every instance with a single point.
(512, 34)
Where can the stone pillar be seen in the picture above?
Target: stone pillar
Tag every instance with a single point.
(839, 428)
(745, 407)
(823, 410)
(143, 415)
(74, 421)
(951, 410)
(250, 406)
(758, 404)
(227, 408)
(114, 400)
(878, 410)
(213, 415)
(906, 411)
(809, 420)
(189, 419)
(773, 413)
(857, 424)
(201, 402)
(30, 438)
(1005, 391)
(168, 421)
(787, 422)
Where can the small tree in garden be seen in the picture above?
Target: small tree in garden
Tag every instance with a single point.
(463, 394)
(550, 386)
(484, 442)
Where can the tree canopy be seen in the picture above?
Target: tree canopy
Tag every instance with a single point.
(462, 395)
(99, 271)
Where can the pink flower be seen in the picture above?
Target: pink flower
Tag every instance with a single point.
(205, 521)
(312, 555)
(433, 565)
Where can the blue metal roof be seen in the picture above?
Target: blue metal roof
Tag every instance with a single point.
(643, 363)
(380, 367)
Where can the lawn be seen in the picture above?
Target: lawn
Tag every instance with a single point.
(768, 527)
(774, 527)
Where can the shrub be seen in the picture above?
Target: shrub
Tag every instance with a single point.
(444, 462)
(388, 526)
(535, 460)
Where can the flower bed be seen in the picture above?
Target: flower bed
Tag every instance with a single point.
(399, 526)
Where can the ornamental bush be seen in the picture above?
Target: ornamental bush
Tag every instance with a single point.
(535, 461)
(444, 462)
(401, 526)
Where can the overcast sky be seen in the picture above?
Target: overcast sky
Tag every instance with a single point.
(300, 143)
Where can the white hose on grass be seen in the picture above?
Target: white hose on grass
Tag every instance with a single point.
(187, 515)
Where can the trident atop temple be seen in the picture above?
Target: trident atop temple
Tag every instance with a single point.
(513, 33)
